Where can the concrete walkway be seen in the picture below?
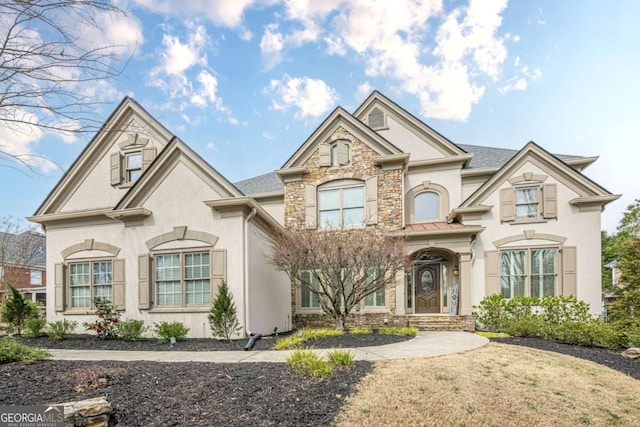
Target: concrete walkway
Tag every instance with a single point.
(426, 344)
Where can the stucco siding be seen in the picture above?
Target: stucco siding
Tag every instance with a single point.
(408, 141)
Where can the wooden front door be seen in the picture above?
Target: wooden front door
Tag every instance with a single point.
(428, 289)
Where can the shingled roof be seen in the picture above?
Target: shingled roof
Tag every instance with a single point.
(483, 158)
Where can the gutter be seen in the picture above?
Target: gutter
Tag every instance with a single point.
(245, 281)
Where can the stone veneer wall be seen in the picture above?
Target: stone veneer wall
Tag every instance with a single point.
(361, 167)
(377, 320)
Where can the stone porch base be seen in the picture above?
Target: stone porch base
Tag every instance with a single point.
(431, 322)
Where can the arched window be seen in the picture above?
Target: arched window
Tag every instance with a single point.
(427, 206)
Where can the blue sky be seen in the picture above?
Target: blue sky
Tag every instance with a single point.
(245, 82)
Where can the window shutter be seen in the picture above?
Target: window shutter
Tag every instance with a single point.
(569, 271)
(343, 152)
(118, 284)
(371, 200)
(148, 155)
(218, 270)
(310, 211)
(507, 204)
(550, 201)
(115, 167)
(492, 272)
(145, 292)
(60, 288)
(325, 155)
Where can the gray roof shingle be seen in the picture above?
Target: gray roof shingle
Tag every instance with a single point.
(483, 158)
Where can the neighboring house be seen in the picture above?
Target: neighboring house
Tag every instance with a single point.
(22, 264)
(142, 219)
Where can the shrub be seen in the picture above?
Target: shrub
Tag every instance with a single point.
(166, 330)
(406, 330)
(291, 341)
(308, 363)
(131, 330)
(108, 317)
(61, 329)
(594, 333)
(16, 310)
(490, 314)
(12, 351)
(34, 327)
(223, 319)
(304, 335)
(340, 358)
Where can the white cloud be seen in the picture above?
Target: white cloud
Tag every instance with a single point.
(246, 35)
(269, 136)
(271, 46)
(311, 97)
(211, 146)
(521, 80)
(335, 46)
(516, 61)
(518, 84)
(228, 13)
(363, 90)
(17, 142)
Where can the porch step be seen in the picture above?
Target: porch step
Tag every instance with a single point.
(442, 323)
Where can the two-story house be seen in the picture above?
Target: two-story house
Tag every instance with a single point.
(143, 220)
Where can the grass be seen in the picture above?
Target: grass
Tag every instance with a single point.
(309, 363)
(408, 331)
(12, 351)
(496, 385)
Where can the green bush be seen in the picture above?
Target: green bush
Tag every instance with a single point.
(131, 330)
(61, 329)
(491, 313)
(359, 331)
(309, 363)
(16, 310)
(291, 341)
(308, 334)
(340, 358)
(222, 318)
(406, 330)
(34, 327)
(108, 317)
(12, 351)
(165, 330)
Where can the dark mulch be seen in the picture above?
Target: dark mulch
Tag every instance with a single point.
(90, 342)
(180, 394)
(611, 359)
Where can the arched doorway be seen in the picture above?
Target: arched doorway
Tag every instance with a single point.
(428, 282)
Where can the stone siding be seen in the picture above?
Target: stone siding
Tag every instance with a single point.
(379, 320)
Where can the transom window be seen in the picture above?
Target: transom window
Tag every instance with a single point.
(527, 200)
(88, 280)
(183, 279)
(427, 206)
(133, 166)
(529, 272)
(341, 207)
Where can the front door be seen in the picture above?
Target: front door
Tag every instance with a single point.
(428, 289)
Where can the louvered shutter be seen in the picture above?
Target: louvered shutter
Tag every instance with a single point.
(310, 206)
(116, 168)
(492, 272)
(343, 152)
(507, 204)
(148, 155)
(550, 201)
(569, 271)
(325, 154)
(145, 292)
(60, 287)
(118, 284)
(218, 270)
(371, 200)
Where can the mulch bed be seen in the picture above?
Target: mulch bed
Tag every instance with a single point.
(90, 342)
(611, 359)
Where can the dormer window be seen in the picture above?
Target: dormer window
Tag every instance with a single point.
(336, 153)
(129, 163)
(376, 119)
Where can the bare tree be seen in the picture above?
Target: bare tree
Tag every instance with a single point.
(49, 51)
(21, 248)
(339, 267)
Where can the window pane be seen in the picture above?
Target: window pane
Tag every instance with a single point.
(526, 195)
(353, 216)
(133, 175)
(329, 200)
(527, 211)
(426, 206)
(104, 292)
(168, 267)
(198, 292)
(330, 219)
(169, 293)
(134, 161)
(353, 197)
(79, 274)
(81, 297)
(196, 265)
(307, 298)
(102, 273)
(513, 263)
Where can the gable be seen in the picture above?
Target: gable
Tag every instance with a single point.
(404, 130)
(339, 119)
(534, 161)
(87, 185)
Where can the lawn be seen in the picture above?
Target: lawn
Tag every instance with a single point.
(497, 385)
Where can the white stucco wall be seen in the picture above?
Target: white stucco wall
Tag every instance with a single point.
(581, 229)
(408, 141)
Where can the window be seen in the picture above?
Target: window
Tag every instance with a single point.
(183, 279)
(88, 280)
(133, 166)
(375, 299)
(529, 272)
(307, 298)
(335, 153)
(36, 277)
(527, 202)
(427, 206)
(341, 207)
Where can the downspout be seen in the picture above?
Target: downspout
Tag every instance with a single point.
(245, 281)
